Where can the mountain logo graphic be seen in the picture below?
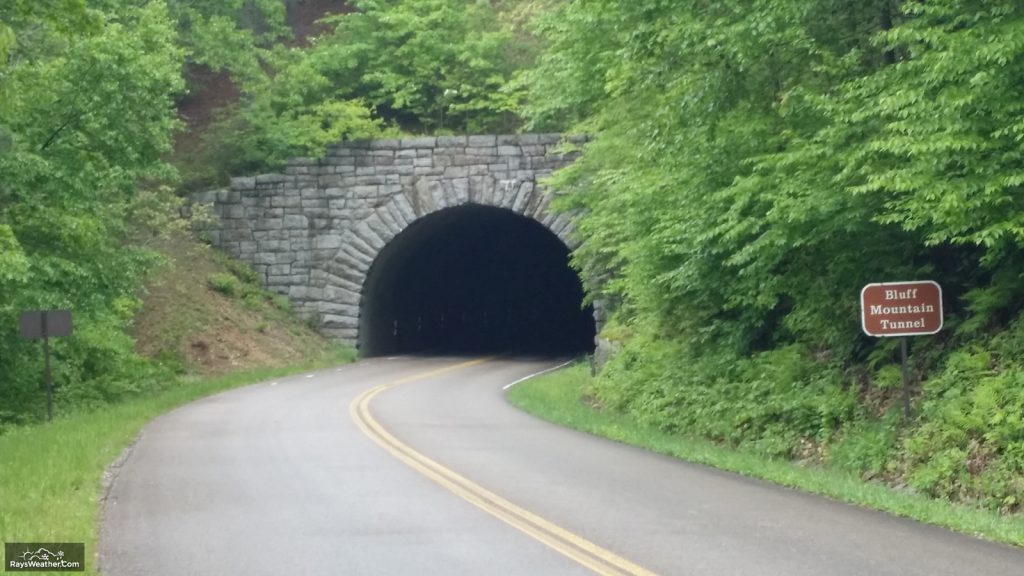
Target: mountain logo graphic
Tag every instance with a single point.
(42, 555)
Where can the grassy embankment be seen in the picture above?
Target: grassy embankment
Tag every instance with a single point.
(208, 327)
(562, 398)
(51, 474)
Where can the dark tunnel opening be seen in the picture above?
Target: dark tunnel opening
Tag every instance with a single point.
(474, 279)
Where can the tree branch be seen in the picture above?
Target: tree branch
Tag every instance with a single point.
(59, 129)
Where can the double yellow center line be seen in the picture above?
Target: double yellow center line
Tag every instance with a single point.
(577, 548)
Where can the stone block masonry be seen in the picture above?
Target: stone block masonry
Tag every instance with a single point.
(313, 231)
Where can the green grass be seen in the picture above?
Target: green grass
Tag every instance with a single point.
(560, 397)
(51, 474)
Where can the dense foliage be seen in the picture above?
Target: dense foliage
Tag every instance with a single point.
(86, 110)
(436, 66)
(754, 164)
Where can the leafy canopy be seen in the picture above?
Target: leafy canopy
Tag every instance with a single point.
(87, 110)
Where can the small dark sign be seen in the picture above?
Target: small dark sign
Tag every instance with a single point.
(37, 324)
(43, 325)
(44, 557)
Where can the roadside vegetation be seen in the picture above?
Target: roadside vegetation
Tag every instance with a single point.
(53, 476)
(781, 155)
(568, 397)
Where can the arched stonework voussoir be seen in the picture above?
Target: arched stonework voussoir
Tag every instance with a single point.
(521, 196)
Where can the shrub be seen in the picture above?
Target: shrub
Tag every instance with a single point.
(241, 270)
(865, 447)
(970, 441)
(281, 302)
(777, 403)
(226, 284)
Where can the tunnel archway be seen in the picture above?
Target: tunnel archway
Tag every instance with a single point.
(474, 279)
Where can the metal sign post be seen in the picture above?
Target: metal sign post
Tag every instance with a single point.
(44, 324)
(901, 309)
(905, 376)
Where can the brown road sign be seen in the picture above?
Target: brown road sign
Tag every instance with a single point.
(901, 308)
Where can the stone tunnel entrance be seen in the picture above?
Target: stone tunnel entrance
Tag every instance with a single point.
(474, 279)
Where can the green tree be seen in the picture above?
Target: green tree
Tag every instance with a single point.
(428, 64)
(767, 139)
(413, 65)
(230, 35)
(89, 108)
(753, 164)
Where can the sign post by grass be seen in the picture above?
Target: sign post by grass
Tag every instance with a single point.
(901, 309)
(46, 324)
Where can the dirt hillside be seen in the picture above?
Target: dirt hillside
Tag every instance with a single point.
(204, 313)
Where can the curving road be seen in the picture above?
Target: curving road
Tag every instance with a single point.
(418, 466)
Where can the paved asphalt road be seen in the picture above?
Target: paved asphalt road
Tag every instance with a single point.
(417, 466)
